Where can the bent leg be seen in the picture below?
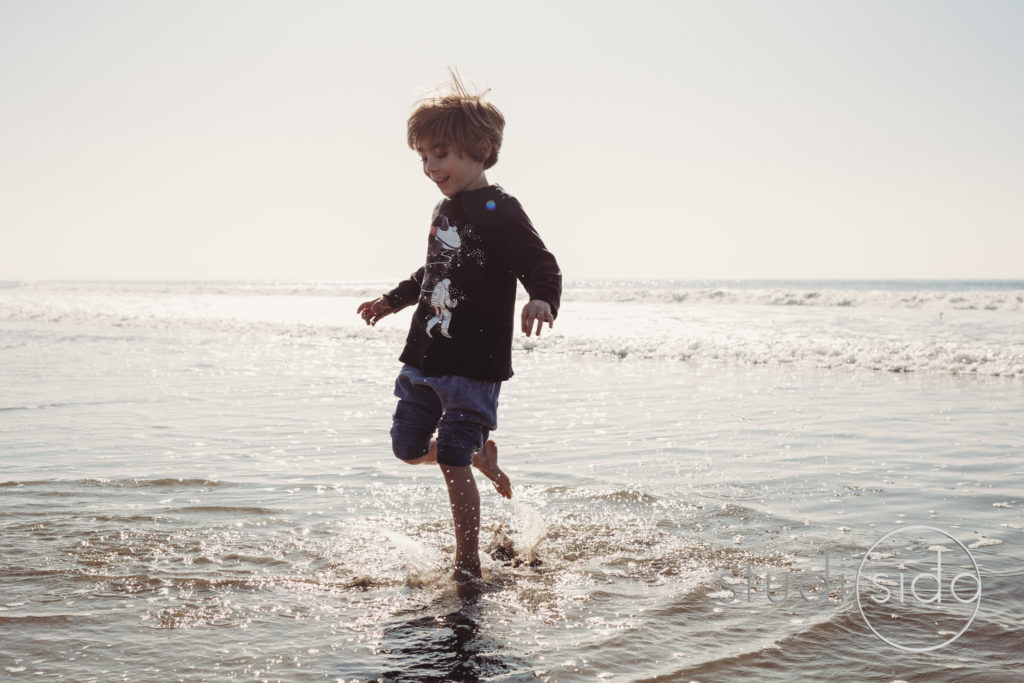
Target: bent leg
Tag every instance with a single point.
(414, 421)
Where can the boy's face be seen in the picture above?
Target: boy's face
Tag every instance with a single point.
(451, 170)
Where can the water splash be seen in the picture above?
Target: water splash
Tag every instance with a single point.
(424, 566)
(532, 529)
(517, 544)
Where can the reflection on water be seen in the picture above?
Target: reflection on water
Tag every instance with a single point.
(443, 642)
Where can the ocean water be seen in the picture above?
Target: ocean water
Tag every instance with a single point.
(197, 485)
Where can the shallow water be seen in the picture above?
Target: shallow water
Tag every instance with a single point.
(190, 502)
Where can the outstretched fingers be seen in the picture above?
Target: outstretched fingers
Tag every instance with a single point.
(372, 311)
(535, 314)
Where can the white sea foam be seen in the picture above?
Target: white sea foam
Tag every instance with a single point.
(897, 296)
(938, 295)
(967, 331)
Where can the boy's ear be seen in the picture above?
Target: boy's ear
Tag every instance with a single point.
(485, 149)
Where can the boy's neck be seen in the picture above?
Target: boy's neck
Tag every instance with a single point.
(472, 188)
(478, 184)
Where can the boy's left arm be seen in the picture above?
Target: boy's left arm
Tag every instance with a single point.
(536, 268)
(536, 311)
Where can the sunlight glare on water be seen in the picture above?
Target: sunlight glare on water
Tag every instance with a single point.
(203, 489)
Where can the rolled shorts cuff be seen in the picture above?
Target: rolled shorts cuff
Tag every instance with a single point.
(463, 410)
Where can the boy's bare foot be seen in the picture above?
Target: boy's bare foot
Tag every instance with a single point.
(486, 460)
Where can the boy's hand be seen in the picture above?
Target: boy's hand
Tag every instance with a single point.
(372, 311)
(539, 312)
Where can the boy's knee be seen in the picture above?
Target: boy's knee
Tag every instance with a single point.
(405, 450)
(413, 427)
(458, 439)
(407, 444)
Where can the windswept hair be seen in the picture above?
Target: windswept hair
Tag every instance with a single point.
(454, 116)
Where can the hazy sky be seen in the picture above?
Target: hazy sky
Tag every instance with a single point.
(253, 139)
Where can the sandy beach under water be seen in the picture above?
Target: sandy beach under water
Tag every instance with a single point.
(191, 500)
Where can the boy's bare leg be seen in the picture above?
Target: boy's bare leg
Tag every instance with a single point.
(486, 460)
(465, 501)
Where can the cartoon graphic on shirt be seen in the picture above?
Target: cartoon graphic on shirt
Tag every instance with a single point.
(445, 244)
(443, 248)
(441, 303)
(447, 235)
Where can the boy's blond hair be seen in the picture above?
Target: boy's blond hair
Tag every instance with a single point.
(458, 118)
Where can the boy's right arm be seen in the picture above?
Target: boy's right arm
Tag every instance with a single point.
(405, 294)
(372, 311)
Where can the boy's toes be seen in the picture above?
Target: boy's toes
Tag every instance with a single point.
(486, 460)
(502, 485)
(501, 482)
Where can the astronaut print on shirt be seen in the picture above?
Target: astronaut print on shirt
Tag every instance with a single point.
(442, 253)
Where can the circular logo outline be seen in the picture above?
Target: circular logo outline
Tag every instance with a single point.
(977, 574)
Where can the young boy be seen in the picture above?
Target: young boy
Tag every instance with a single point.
(459, 347)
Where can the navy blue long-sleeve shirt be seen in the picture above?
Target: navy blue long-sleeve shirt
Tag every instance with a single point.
(480, 243)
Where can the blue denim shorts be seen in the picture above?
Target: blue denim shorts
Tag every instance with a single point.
(462, 410)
